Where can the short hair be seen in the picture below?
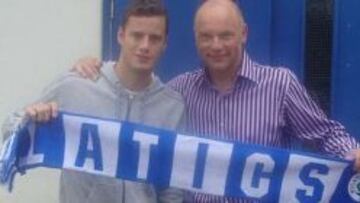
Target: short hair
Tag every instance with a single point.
(145, 8)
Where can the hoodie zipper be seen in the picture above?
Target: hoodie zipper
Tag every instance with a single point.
(127, 116)
(128, 109)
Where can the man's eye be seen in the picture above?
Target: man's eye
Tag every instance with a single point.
(226, 36)
(137, 36)
(155, 38)
(205, 37)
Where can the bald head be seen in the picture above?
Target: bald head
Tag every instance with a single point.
(226, 7)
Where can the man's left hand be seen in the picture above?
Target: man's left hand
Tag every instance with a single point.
(355, 156)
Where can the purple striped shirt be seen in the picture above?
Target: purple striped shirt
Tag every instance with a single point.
(266, 106)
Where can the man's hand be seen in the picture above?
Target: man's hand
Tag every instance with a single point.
(87, 67)
(42, 112)
(355, 156)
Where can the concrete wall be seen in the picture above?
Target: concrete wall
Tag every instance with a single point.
(39, 39)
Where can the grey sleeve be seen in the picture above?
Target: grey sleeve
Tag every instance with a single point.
(18, 118)
(12, 121)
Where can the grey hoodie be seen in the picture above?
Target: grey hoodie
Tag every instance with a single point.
(157, 105)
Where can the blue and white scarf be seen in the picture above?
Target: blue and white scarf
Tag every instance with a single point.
(164, 158)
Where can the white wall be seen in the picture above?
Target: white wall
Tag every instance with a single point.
(38, 40)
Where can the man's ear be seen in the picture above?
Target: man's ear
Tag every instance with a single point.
(120, 35)
(244, 33)
(165, 44)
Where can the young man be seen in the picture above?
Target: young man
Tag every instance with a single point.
(125, 90)
(235, 98)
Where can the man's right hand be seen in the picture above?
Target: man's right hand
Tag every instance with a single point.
(87, 67)
(42, 112)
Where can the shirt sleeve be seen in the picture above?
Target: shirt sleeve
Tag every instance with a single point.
(309, 123)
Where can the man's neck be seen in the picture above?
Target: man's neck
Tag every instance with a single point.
(132, 80)
(223, 81)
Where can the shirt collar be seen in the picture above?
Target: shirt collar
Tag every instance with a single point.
(245, 71)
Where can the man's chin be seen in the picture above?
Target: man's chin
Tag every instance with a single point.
(144, 69)
(217, 67)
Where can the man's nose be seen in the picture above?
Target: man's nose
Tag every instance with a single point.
(216, 43)
(145, 44)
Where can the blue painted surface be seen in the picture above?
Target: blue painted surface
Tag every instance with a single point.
(106, 31)
(276, 32)
(346, 65)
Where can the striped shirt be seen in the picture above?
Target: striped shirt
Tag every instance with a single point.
(266, 106)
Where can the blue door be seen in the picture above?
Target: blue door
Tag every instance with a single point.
(346, 65)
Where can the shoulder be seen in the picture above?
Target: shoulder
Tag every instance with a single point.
(274, 74)
(172, 94)
(190, 75)
(69, 78)
(186, 80)
(70, 82)
(165, 96)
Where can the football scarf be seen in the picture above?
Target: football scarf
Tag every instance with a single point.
(164, 158)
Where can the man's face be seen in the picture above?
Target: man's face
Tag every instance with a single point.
(142, 41)
(220, 37)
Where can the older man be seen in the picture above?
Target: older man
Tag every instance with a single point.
(234, 98)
